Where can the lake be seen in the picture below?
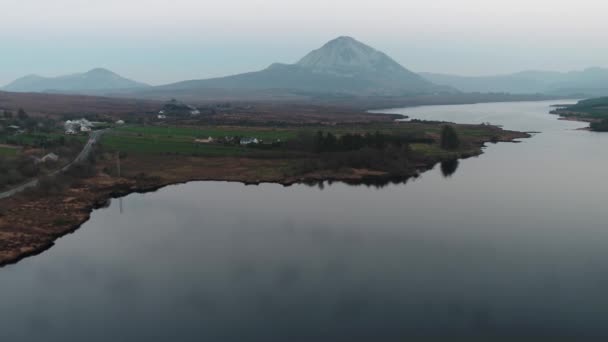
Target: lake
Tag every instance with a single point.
(509, 244)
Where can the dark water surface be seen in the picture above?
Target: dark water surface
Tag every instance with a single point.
(513, 244)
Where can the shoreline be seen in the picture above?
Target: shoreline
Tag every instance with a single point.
(564, 115)
(31, 227)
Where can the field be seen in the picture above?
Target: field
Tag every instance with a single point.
(39, 139)
(210, 131)
(163, 140)
(180, 140)
(8, 151)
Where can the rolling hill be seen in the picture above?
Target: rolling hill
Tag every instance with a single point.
(94, 82)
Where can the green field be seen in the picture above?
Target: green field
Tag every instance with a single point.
(284, 134)
(35, 139)
(167, 145)
(181, 140)
(269, 134)
(8, 151)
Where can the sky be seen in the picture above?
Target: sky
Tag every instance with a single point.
(163, 41)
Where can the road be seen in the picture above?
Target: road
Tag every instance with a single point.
(86, 151)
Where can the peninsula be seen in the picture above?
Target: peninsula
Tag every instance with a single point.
(241, 143)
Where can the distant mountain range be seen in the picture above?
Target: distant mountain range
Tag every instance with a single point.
(95, 81)
(589, 82)
(344, 67)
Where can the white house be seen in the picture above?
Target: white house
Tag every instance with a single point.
(194, 111)
(249, 141)
(204, 141)
(120, 122)
(73, 126)
(161, 116)
(51, 157)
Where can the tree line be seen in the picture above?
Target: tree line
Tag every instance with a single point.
(600, 126)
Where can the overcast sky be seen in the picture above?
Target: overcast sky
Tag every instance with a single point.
(159, 41)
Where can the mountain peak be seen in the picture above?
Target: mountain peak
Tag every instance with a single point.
(344, 53)
(343, 40)
(341, 66)
(347, 57)
(100, 71)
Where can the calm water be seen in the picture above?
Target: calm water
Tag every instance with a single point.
(514, 243)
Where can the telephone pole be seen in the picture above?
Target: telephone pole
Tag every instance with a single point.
(118, 172)
(118, 164)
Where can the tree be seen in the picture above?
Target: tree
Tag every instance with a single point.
(601, 126)
(449, 138)
(22, 115)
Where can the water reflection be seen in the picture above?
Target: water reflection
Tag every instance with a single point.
(377, 182)
(449, 167)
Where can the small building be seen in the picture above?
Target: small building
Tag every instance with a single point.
(194, 111)
(249, 141)
(51, 157)
(205, 141)
(120, 122)
(74, 126)
(161, 116)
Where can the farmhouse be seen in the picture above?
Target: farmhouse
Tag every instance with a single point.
(205, 141)
(73, 126)
(249, 141)
(51, 157)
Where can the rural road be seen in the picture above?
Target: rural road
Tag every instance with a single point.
(86, 151)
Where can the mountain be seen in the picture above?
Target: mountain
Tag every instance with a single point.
(588, 82)
(96, 81)
(343, 66)
(346, 57)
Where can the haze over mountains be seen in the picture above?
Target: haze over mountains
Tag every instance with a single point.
(341, 67)
(589, 82)
(95, 81)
